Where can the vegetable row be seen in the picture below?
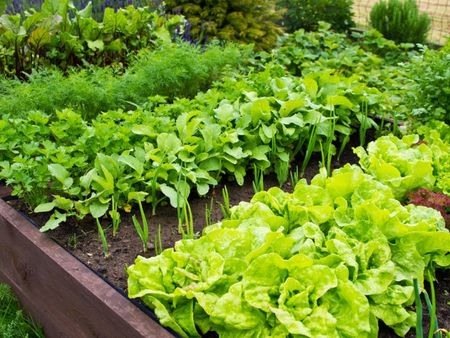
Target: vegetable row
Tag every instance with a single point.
(331, 259)
(76, 167)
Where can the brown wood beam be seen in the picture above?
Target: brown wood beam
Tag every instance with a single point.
(62, 294)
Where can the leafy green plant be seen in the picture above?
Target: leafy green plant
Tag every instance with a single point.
(244, 21)
(431, 74)
(403, 164)
(59, 34)
(179, 70)
(169, 148)
(307, 14)
(13, 322)
(400, 20)
(98, 6)
(342, 250)
(264, 118)
(328, 149)
(436, 134)
(142, 230)
(363, 124)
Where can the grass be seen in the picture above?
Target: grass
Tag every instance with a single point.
(439, 10)
(13, 322)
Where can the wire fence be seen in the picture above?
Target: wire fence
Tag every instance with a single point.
(439, 11)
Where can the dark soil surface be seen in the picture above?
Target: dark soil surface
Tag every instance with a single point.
(81, 238)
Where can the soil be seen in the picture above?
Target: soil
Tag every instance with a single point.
(81, 238)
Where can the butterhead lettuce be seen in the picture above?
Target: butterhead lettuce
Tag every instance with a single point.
(331, 259)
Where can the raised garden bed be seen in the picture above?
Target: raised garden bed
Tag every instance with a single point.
(60, 292)
(87, 305)
(65, 283)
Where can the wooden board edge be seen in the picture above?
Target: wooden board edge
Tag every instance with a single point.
(61, 293)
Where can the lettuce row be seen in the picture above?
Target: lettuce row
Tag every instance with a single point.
(329, 260)
(410, 163)
(402, 164)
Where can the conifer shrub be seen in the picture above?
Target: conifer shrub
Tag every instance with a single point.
(248, 21)
(400, 21)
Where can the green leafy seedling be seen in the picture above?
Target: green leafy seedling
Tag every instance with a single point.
(208, 213)
(327, 149)
(311, 145)
(187, 230)
(225, 206)
(142, 230)
(103, 239)
(363, 123)
(154, 187)
(72, 241)
(294, 176)
(258, 179)
(115, 216)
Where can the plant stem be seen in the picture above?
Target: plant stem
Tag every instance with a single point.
(419, 314)
(101, 233)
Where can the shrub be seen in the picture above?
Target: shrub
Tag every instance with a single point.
(306, 14)
(400, 21)
(248, 21)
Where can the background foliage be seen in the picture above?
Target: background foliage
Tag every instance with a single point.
(59, 34)
(432, 76)
(249, 21)
(98, 6)
(306, 14)
(171, 71)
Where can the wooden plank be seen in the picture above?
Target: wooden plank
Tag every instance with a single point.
(61, 293)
